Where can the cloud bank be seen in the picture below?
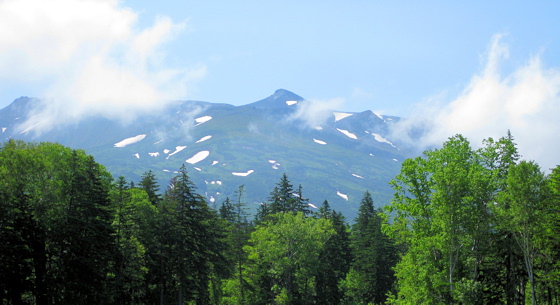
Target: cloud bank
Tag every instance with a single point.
(89, 57)
(525, 101)
(313, 113)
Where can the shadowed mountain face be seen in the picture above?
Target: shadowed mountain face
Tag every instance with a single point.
(334, 155)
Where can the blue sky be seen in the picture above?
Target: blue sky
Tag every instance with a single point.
(381, 55)
(473, 67)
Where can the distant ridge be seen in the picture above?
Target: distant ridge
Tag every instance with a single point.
(226, 146)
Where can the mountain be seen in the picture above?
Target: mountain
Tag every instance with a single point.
(334, 155)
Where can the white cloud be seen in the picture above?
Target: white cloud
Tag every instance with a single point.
(314, 113)
(90, 57)
(526, 101)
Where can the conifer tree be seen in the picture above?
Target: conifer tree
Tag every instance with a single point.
(149, 184)
(335, 259)
(374, 254)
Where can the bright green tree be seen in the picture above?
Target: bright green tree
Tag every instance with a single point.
(283, 257)
(521, 210)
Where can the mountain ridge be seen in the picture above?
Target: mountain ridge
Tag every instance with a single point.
(225, 146)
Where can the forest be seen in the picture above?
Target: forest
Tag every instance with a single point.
(465, 226)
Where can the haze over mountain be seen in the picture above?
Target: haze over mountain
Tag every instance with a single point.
(334, 155)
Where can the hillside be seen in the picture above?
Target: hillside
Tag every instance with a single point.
(334, 155)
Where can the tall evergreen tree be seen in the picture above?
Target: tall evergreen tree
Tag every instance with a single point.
(335, 259)
(150, 185)
(374, 254)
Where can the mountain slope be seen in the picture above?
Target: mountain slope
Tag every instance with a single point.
(226, 146)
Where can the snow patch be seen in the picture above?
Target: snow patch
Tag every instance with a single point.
(395, 160)
(357, 176)
(154, 154)
(319, 142)
(137, 155)
(343, 196)
(312, 205)
(166, 151)
(341, 115)
(243, 174)
(199, 156)
(377, 114)
(4, 129)
(381, 139)
(202, 119)
(212, 199)
(372, 155)
(198, 169)
(348, 133)
(218, 182)
(177, 149)
(215, 162)
(130, 140)
(290, 103)
(319, 128)
(203, 139)
(158, 141)
(275, 164)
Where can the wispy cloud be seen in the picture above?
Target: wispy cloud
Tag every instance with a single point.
(525, 101)
(90, 57)
(313, 113)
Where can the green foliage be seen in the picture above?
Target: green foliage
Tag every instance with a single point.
(284, 254)
(471, 227)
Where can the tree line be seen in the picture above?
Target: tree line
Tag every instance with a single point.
(465, 226)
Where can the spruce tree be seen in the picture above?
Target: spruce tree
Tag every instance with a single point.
(149, 184)
(335, 259)
(374, 254)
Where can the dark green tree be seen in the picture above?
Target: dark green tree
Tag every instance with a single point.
(335, 259)
(150, 185)
(374, 254)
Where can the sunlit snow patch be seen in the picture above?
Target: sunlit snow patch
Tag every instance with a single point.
(4, 129)
(166, 151)
(381, 139)
(212, 199)
(199, 156)
(272, 161)
(243, 174)
(378, 115)
(198, 169)
(154, 154)
(158, 141)
(137, 155)
(131, 140)
(318, 128)
(290, 103)
(340, 115)
(202, 119)
(348, 133)
(215, 162)
(357, 176)
(312, 205)
(203, 139)
(343, 196)
(177, 149)
(319, 142)
(395, 160)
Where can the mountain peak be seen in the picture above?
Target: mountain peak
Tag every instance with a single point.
(285, 95)
(281, 98)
